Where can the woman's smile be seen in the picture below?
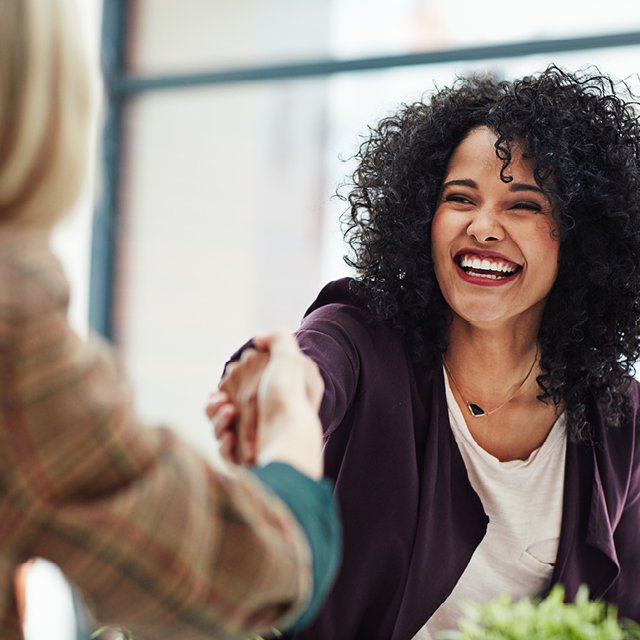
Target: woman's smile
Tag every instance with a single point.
(486, 269)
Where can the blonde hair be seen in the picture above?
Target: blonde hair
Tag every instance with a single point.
(48, 98)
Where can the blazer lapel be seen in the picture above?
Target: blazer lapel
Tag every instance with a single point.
(604, 570)
(586, 554)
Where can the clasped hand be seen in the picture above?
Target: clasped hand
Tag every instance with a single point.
(266, 407)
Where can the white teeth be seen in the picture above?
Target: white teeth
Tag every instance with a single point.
(469, 261)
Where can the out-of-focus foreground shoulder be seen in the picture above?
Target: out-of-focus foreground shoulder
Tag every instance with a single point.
(32, 281)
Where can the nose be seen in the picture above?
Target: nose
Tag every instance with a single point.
(485, 226)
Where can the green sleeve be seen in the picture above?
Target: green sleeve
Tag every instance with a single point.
(312, 503)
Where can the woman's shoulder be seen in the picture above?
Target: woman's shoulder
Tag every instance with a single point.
(31, 277)
(341, 308)
(339, 321)
(339, 294)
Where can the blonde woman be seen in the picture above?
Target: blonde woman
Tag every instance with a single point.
(155, 539)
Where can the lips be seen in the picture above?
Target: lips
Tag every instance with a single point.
(486, 268)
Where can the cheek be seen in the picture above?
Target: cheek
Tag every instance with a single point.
(545, 253)
(439, 234)
(442, 235)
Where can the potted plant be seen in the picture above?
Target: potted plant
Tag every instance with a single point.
(546, 619)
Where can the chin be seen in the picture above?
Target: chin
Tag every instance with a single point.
(484, 317)
(480, 309)
(488, 314)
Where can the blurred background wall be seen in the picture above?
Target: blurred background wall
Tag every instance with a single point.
(218, 196)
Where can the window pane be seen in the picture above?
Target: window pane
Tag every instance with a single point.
(222, 217)
(370, 27)
(190, 35)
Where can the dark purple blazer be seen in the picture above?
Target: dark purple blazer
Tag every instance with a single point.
(411, 520)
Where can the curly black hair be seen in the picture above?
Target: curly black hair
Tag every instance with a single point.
(582, 133)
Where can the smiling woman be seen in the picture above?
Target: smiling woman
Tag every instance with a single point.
(480, 416)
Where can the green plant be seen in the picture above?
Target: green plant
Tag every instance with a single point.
(550, 618)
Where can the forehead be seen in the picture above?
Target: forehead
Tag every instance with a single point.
(476, 154)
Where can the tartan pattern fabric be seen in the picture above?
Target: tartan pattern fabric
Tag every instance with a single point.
(155, 539)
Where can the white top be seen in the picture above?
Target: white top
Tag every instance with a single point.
(523, 499)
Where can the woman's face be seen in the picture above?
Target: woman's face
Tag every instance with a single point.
(494, 250)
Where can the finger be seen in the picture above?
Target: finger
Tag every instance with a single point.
(245, 370)
(252, 452)
(247, 431)
(216, 400)
(233, 368)
(229, 368)
(247, 354)
(223, 420)
(250, 443)
(227, 448)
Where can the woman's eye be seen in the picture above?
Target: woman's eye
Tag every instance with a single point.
(456, 197)
(527, 206)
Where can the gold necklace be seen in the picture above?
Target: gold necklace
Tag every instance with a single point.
(475, 409)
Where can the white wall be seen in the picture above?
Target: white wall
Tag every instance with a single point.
(222, 199)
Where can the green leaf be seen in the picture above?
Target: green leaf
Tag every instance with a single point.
(547, 619)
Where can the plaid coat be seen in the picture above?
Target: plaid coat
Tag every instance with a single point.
(156, 540)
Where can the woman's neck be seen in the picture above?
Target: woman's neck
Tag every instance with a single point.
(496, 370)
(491, 363)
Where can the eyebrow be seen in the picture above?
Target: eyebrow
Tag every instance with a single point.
(461, 183)
(518, 186)
(523, 186)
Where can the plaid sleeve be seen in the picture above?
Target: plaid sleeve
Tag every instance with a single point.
(156, 540)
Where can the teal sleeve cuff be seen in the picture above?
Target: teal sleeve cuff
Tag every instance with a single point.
(313, 505)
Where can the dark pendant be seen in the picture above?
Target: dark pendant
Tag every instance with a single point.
(475, 410)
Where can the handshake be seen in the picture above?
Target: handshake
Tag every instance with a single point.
(266, 407)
